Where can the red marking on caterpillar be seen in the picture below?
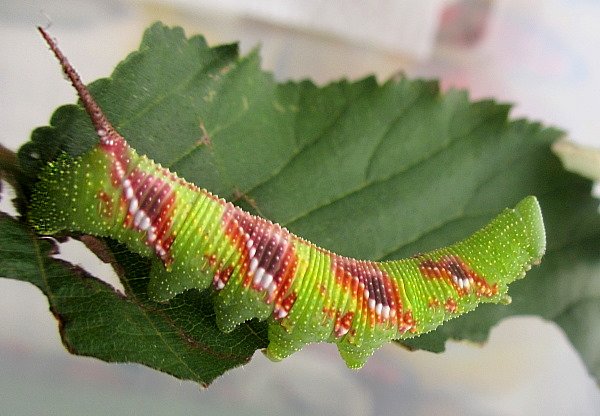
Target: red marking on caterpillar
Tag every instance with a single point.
(451, 305)
(222, 274)
(106, 204)
(343, 324)
(372, 287)
(407, 323)
(222, 277)
(282, 309)
(212, 260)
(149, 201)
(323, 289)
(118, 152)
(285, 284)
(458, 274)
(268, 251)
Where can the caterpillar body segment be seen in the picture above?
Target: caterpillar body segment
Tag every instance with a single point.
(258, 269)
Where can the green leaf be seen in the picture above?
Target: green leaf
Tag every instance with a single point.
(95, 320)
(369, 171)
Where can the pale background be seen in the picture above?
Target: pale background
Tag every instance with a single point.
(541, 55)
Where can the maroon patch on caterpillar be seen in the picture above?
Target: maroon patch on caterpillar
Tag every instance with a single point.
(150, 201)
(458, 274)
(373, 288)
(268, 253)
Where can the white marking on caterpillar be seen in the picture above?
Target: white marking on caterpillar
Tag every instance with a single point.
(258, 275)
(139, 215)
(133, 206)
(145, 224)
(253, 264)
(266, 280)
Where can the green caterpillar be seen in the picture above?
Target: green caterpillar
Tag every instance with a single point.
(259, 269)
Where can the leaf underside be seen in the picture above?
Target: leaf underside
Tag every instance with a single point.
(367, 170)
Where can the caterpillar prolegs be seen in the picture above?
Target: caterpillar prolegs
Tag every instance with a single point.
(258, 269)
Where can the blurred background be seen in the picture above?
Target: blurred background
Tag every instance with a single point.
(541, 55)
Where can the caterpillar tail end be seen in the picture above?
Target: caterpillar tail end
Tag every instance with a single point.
(529, 210)
(47, 214)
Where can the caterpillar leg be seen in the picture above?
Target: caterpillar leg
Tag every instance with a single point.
(283, 344)
(165, 284)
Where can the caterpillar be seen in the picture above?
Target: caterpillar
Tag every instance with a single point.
(258, 269)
